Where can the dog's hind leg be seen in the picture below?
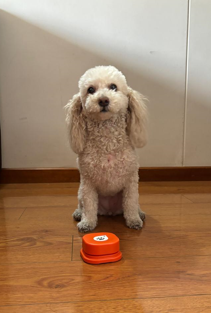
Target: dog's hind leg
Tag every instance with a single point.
(141, 214)
(131, 203)
(78, 212)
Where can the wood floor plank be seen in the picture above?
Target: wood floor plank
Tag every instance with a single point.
(36, 201)
(10, 215)
(175, 187)
(38, 186)
(126, 279)
(72, 188)
(188, 223)
(35, 247)
(195, 304)
(199, 198)
(157, 245)
(176, 209)
(22, 190)
(163, 198)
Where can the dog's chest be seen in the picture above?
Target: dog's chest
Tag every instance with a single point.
(108, 159)
(112, 163)
(109, 170)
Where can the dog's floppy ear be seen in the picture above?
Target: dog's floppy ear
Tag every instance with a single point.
(76, 124)
(137, 118)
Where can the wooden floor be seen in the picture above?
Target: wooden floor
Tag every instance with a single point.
(166, 267)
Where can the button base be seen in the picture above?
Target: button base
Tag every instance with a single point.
(99, 259)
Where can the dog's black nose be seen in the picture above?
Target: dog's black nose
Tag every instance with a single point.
(103, 102)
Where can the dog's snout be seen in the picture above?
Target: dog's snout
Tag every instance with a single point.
(103, 101)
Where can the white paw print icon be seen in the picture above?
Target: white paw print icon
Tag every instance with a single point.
(101, 238)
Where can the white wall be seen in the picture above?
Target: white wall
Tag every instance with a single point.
(47, 45)
(198, 126)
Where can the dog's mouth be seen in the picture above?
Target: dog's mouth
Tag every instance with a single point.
(104, 110)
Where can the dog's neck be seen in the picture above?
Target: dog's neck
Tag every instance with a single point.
(108, 135)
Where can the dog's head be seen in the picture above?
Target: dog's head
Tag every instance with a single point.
(103, 93)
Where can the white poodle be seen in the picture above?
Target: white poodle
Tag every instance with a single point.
(106, 122)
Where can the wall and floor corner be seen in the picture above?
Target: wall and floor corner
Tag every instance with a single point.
(163, 49)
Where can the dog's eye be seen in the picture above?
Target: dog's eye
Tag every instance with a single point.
(113, 87)
(91, 90)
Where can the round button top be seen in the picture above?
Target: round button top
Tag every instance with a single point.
(100, 243)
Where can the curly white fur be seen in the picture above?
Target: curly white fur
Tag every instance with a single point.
(105, 143)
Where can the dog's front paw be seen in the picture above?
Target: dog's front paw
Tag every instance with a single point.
(85, 226)
(77, 215)
(135, 224)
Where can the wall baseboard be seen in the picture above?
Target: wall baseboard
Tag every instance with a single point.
(64, 175)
